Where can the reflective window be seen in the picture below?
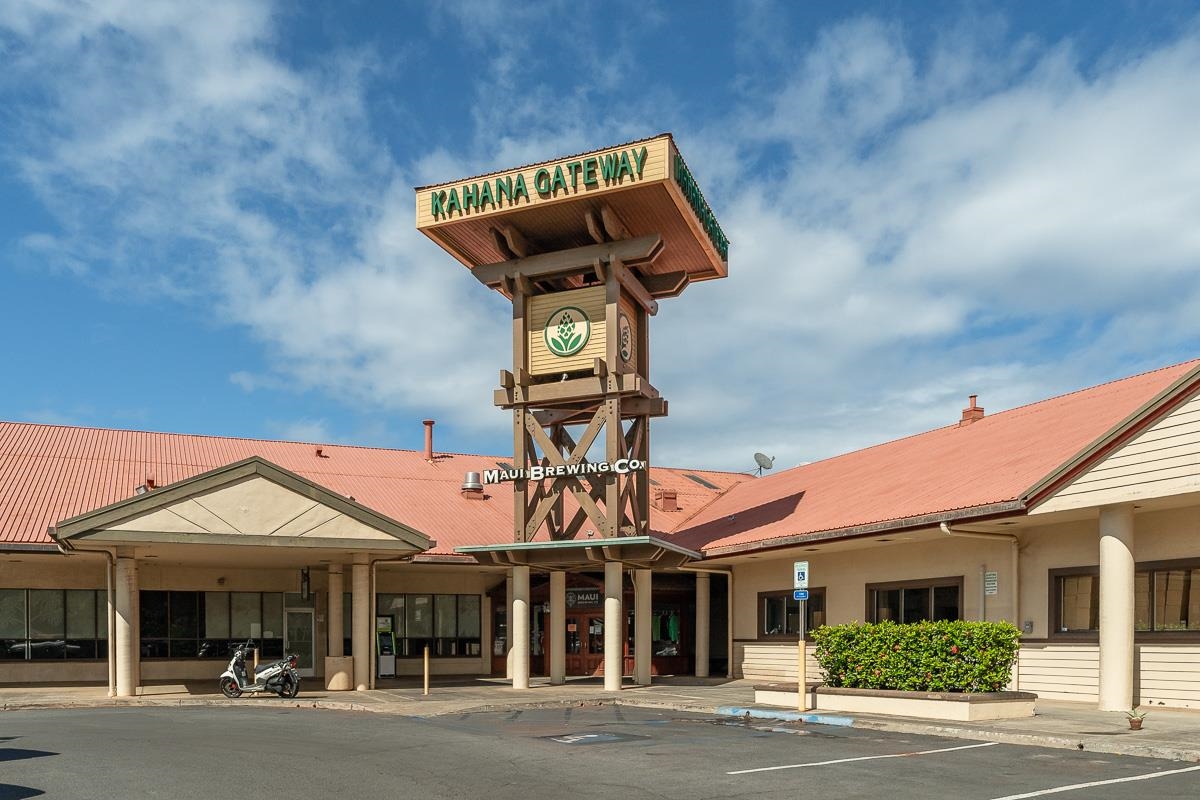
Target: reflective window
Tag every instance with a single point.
(916, 601)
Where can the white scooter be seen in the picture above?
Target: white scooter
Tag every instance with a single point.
(279, 676)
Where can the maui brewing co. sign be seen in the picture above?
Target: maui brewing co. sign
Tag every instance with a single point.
(537, 472)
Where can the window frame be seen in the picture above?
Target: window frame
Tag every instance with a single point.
(1054, 606)
(921, 583)
(786, 595)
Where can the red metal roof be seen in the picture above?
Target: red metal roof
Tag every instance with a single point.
(994, 460)
(49, 473)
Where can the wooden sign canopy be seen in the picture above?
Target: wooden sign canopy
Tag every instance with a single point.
(628, 192)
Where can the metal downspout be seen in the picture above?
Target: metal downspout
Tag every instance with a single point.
(110, 597)
(1014, 544)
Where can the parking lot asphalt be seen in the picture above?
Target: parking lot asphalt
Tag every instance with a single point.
(1169, 733)
(582, 752)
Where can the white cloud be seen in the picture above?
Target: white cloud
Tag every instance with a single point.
(986, 216)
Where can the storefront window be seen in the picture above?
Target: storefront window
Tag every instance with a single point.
(52, 624)
(449, 624)
(210, 624)
(1166, 599)
(914, 601)
(779, 613)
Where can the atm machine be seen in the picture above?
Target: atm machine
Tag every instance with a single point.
(385, 647)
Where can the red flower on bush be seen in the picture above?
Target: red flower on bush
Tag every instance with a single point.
(954, 649)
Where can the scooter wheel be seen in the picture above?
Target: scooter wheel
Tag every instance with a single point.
(289, 687)
(229, 687)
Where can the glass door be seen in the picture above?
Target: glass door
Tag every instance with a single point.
(299, 639)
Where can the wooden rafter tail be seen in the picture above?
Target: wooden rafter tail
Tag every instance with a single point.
(593, 227)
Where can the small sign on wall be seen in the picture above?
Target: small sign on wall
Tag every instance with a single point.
(991, 583)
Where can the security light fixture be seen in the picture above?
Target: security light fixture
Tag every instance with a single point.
(304, 592)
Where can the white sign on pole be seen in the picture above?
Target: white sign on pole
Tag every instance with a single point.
(801, 575)
(991, 584)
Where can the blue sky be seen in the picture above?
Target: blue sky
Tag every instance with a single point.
(207, 217)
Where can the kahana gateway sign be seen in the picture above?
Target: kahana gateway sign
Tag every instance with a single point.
(622, 466)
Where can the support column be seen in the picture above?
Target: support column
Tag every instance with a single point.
(508, 631)
(334, 613)
(558, 628)
(360, 619)
(1116, 608)
(614, 626)
(126, 628)
(643, 644)
(518, 628)
(703, 624)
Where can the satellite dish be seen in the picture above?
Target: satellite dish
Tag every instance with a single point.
(764, 462)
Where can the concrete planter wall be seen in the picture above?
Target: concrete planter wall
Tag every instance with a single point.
(955, 706)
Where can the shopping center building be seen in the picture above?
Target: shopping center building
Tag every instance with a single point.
(131, 558)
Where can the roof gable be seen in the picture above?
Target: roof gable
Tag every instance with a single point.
(1153, 455)
(251, 501)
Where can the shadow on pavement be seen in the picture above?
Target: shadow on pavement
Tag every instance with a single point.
(10, 791)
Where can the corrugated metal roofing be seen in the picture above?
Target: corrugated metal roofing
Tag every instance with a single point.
(49, 473)
(993, 460)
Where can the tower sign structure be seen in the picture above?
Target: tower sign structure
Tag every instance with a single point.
(585, 247)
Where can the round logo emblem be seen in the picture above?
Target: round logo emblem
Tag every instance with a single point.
(567, 331)
(625, 338)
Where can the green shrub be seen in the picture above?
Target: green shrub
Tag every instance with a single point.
(923, 656)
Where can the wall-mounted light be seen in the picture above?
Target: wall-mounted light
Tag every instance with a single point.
(304, 590)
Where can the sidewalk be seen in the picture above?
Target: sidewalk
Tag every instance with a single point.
(1171, 734)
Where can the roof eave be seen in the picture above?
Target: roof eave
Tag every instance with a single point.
(973, 513)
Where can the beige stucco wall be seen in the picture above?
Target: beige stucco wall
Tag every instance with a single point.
(844, 576)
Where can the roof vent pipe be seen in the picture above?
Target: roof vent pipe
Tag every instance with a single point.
(972, 412)
(428, 439)
(471, 484)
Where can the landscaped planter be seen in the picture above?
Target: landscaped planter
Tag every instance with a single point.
(957, 706)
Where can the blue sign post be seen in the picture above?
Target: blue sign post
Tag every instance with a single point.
(800, 594)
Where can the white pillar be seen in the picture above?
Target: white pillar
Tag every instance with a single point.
(702, 624)
(334, 613)
(558, 627)
(614, 627)
(508, 638)
(1116, 608)
(518, 628)
(124, 637)
(643, 644)
(360, 619)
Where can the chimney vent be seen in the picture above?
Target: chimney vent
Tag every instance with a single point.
(428, 439)
(472, 487)
(972, 412)
(666, 500)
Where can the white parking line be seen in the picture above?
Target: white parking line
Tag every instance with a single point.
(862, 758)
(1075, 786)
